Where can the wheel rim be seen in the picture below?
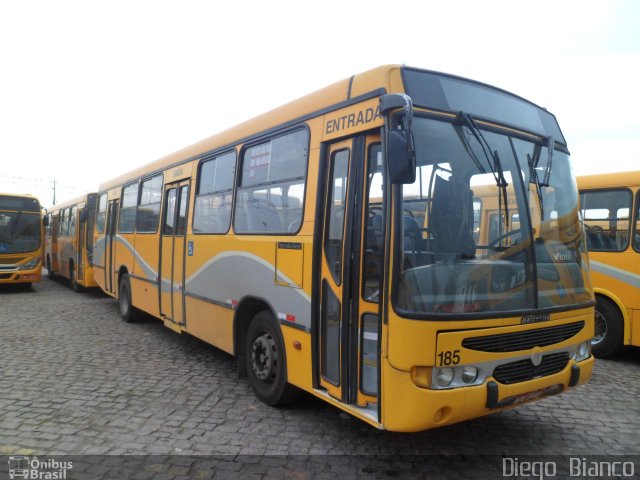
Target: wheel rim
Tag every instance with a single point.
(600, 328)
(264, 357)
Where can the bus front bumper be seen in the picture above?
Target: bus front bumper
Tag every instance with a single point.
(21, 276)
(409, 408)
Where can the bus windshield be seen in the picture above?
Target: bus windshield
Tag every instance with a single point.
(19, 232)
(479, 231)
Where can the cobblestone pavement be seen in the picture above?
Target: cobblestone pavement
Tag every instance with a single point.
(75, 379)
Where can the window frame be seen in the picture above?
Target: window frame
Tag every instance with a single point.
(239, 168)
(630, 219)
(203, 160)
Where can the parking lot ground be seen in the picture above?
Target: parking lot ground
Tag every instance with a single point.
(77, 380)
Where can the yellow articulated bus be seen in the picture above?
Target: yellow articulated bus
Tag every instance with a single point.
(20, 239)
(329, 245)
(69, 241)
(610, 206)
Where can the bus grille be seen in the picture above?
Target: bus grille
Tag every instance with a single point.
(11, 260)
(524, 370)
(5, 276)
(512, 342)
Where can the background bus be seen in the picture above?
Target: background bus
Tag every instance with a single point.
(294, 241)
(20, 239)
(610, 205)
(69, 241)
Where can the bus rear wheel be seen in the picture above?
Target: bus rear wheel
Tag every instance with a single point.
(609, 329)
(50, 273)
(73, 279)
(266, 361)
(127, 310)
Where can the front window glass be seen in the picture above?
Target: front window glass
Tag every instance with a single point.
(467, 221)
(19, 232)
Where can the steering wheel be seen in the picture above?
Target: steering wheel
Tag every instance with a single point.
(493, 244)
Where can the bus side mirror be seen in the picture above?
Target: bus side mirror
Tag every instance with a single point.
(83, 215)
(45, 221)
(401, 157)
(400, 151)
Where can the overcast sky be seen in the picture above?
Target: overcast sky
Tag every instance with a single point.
(90, 90)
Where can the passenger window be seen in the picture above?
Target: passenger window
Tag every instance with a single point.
(127, 218)
(271, 190)
(72, 221)
(606, 219)
(212, 212)
(64, 223)
(149, 207)
(101, 216)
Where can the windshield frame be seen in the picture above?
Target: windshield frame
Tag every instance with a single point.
(397, 212)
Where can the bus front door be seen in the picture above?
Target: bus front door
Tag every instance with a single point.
(110, 247)
(172, 251)
(350, 273)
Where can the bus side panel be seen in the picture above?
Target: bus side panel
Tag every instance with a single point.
(145, 265)
(99, 260)
(298, 359)
(124, 253)
(635, 329)
(211, 323)
(66, 253)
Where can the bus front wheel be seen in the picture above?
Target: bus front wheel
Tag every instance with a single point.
(266, 361)
(609, 329)
(127, 310)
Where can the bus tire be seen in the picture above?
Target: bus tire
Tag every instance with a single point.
(266, 361)
(50, 273)
(609, 329)
(73, 280)
(127, 310)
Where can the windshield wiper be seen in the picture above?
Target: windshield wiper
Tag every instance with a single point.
(551, 143)
(536, 179)
(495, 166)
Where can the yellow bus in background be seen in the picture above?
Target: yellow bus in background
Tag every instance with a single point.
(329, 245)
(610, 205)
(20, 239)
(69, 241)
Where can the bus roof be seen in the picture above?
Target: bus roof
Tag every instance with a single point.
(383, 77)
(19, 201)
(607, 180)
(73, 201)
(372, 83)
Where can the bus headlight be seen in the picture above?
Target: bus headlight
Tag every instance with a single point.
(469, 374)
(30, 265)
(583, 351)
(445, 376)
(458, 376)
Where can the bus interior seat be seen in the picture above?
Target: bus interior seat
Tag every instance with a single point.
(451, 230)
